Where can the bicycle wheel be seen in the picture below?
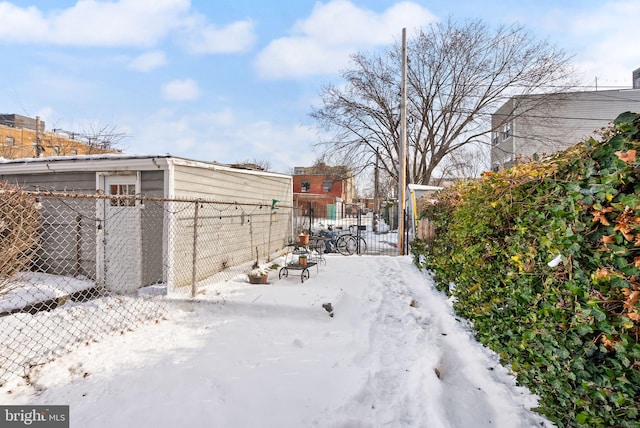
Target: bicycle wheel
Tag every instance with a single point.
(346, 245)
(317, 246)
(361, 245)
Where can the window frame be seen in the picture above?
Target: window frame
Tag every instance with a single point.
(122, 189)
(506, 131)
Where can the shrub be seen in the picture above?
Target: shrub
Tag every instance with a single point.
(570, 332)
(19, 231)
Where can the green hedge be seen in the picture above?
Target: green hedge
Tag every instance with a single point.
(570, 332)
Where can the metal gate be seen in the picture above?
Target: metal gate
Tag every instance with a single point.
(375, 233)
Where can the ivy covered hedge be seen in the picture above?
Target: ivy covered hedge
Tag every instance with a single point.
(570, 331)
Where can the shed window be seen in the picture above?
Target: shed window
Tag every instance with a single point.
(122, 190)
(305, 186)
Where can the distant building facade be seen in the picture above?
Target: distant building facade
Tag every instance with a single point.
(323, 190)
(25, 137)
(533, 126)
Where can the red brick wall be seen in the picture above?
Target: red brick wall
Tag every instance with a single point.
(315, 182)
(318, 203)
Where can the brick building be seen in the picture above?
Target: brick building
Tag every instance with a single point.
(26, 137)
(324, 189)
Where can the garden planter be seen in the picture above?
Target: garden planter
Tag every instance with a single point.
(258, 279)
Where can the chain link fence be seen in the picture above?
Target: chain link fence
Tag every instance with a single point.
(75, 268)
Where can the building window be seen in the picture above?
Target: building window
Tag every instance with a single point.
(506, 130)
(305, 186)
(298, 170)
(122, 190)
(10, 141)
(326, 185)
(495, 139)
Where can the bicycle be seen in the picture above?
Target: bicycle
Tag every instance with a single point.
(345, 243)
(358, 243)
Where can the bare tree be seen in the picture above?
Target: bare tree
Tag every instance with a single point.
(9, 151)
(261, 165)
(463, 164)
(103, 138)
(96, 139)
(20, 224)
(458, 75)
(339, 172)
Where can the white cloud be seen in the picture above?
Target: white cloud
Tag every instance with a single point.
(20, 24)
(124, 23)
(604, 38)
(323, 42)
(148, 61)
(181, 90)
(204, 38)
(301, 57)
(223, 137)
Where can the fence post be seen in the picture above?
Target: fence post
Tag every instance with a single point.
(78, 245)
(406, 233)
(269, 240)
(194, 258)
(251, 235)
(358, 223)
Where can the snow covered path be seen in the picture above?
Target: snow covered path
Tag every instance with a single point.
(246, 355)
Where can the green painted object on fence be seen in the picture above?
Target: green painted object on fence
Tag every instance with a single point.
(331, 211)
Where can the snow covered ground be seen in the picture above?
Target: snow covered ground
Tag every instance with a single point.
(393, 354)
(29, 288)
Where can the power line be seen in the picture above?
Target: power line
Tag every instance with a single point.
(526, 115)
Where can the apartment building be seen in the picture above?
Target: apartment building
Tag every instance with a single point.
(26, 137)
(533, 126)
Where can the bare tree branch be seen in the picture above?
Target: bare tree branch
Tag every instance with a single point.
(458, 75)
(105, 137)
(262, 165)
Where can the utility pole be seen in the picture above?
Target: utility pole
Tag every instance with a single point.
(376, 201)
(38, 146)
(402, 172)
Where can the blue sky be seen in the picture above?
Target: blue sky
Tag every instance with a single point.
(230, 80)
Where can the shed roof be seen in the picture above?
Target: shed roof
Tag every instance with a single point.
(117, 161)
(423, 187)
